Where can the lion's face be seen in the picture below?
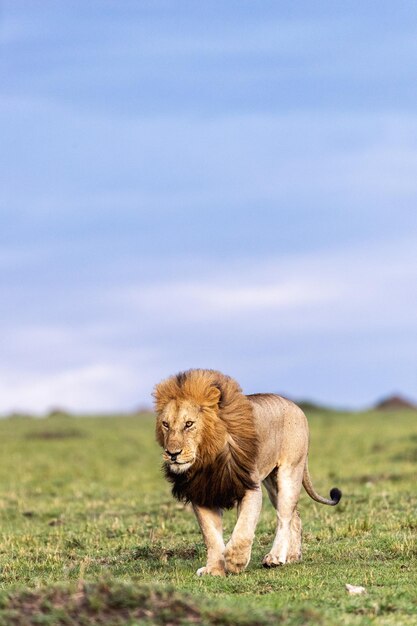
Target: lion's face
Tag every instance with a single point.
(205, 425)
(179, 431)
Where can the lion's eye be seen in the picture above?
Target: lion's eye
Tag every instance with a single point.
(188, 424)
(165, 424)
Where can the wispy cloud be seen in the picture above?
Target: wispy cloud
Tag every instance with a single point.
(225, 300)
(363, 286)
(292, 310)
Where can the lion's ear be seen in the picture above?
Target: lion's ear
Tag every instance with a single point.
(215, 395)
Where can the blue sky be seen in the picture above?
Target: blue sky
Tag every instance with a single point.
(229, 185)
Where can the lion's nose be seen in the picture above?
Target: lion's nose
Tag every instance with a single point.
(173, 455)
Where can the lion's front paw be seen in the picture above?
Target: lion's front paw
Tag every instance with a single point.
(237, 556)
(212, 570)
(272, 560)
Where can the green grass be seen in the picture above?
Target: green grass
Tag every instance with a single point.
(83, 505)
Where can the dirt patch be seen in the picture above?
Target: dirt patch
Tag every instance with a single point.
(100, 604)
(71, 433)
(159, 553)
(409, 456)
(114, 604)
(377, 478)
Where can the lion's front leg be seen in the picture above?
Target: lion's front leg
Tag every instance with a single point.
(238, 549)
(210, 521)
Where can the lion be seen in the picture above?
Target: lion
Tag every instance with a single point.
(219, 447)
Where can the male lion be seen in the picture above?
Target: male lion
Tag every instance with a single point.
(219, 446)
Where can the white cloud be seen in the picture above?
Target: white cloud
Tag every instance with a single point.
(97, 387)
(363, 288)
(82, 368)
(352, 307)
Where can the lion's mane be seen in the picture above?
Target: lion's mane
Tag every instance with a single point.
(223, 470)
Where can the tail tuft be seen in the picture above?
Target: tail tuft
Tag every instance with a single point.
(335, 495)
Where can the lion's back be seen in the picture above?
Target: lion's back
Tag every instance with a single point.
(282, 430)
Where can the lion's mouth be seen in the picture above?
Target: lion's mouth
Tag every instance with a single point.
(178, 461)
(179, 466)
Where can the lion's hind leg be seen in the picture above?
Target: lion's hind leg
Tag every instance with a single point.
(294, 552)
(287, 543)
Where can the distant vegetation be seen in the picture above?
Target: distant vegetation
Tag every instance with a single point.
(391, 403)
(89, 532)
(308, 406)
(395, 403)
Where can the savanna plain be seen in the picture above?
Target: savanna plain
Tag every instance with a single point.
(89, 533)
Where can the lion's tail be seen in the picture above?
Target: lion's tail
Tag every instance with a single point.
(335, 493)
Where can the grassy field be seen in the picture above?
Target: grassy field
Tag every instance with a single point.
(89, 532)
